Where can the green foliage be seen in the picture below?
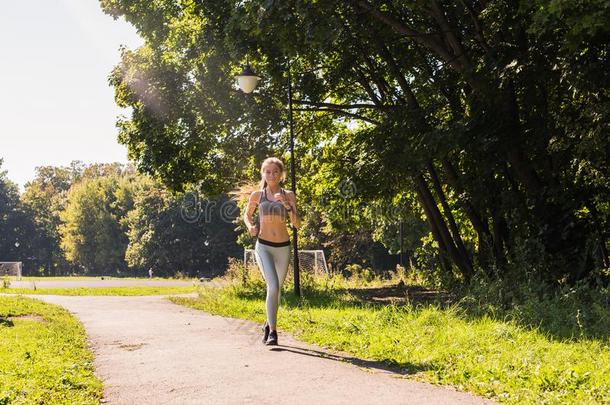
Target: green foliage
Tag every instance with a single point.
(42, 203)
(571, 312)
(44, 198)
(237, 272)
(355, 271)
(179, 233)
(163, 83)
(93, 230)
(16, 227)
(106, 219)
(506, 101)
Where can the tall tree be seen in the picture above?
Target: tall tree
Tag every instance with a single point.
(93, 232)
(44, 198)
(503, 105)
(16, 226)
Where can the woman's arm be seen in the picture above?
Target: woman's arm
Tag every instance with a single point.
(249, 213)
(293, 213)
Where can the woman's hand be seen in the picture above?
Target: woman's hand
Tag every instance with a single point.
(282, 199)
(253, 230)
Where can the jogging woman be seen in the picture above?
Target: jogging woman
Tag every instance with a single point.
(272, 250)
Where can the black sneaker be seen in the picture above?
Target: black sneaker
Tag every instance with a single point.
(272, 341)
(265, 332)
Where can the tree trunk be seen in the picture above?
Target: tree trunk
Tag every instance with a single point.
(600, 231)
(604, 253)
(448, 214)
(498, 245)
(480, 226)
(434, 215)
(514, 142)
(436, 234)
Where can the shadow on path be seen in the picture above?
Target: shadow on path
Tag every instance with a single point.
(404, 369)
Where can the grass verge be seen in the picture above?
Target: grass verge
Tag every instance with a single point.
(490, 357)
(44, 357)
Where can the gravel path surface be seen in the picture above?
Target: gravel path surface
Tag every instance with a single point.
(151, 351)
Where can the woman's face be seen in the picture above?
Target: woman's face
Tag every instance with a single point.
(272, 174)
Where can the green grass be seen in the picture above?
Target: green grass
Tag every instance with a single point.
(97, 291)
(44, 357)
(445, 345)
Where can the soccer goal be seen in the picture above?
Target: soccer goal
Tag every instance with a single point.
(11, 269)
(312, 261)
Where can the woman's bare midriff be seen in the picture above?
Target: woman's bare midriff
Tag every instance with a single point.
(273, 229)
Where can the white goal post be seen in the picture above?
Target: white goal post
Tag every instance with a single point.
(11, 269)
(312, 261)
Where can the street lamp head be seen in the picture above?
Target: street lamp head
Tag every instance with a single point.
(247, 80)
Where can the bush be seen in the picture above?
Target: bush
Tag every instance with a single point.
(237, 272)
(577, 311)
(357, 273)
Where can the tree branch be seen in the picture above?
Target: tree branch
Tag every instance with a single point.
(338, 111)
(402, 82)
(459, 62)
(426, 40)
(345, 106)
(438, 13)
(366, 86)
(477, 26)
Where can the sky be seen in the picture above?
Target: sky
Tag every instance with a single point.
(55, 102)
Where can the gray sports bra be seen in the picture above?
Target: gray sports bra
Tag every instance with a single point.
(267, 207)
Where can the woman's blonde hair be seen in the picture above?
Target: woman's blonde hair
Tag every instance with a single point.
(243, 192)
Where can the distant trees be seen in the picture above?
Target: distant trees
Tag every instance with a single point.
(16, 227)
(105, 219)
(92, 230)
(186, 234)
(44, 199)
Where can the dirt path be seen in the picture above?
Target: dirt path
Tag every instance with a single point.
(151, 351)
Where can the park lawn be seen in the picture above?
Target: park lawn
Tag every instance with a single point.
(489, 357)
(44, 358)
(99, 291)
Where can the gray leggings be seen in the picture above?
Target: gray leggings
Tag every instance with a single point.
(273, 263)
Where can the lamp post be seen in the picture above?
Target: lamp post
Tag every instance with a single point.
(247, 82)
